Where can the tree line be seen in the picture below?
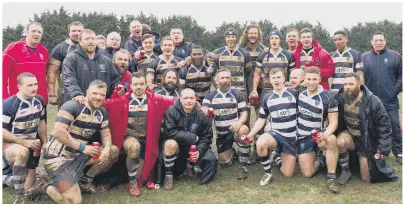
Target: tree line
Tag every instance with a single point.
(55, 29)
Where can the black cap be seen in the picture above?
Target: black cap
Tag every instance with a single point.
(230, 31)
(275, 32)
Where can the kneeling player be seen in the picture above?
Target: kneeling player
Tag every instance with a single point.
(230, 115)
(366, 129)
(317, 111)
(23, 119)
(280, 106)
(185, 126)
(66, 154)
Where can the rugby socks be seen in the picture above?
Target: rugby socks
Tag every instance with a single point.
(331, 176)
(8, 180)
(19, 174)
(244, 153)
(169, 163)
(87, 178)
(266, 164)
(132, 165)
(277, 159)
(343, 160)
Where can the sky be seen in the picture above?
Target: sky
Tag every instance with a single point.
(333, 16)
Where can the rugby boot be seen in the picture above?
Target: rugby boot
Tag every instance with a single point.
(37, 189)
(87, 187)
(399, 158)
(242, 172)
(134, 189)
(332, 185)
(345, 176)
(168, 182)
(19, 200)
(266, 179)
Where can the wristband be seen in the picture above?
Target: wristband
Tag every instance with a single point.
(82, 147)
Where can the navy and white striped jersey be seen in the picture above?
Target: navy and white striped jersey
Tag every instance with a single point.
(254, 53)
(226, 109)
(347, 62)
(266, 61)
(83, 122)
(198, 80)
(163, 92)
(142, 65)
(306, 57)
(237, 62)
(137, 117)
(281, 109)
(21, 116)
(158, 66)
(313, 111)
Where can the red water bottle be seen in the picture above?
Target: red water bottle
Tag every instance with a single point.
(36, 153)
(314, 134)
(142, 52)
(210, 113)
(96, 144)
(191, 151)
(246, 139)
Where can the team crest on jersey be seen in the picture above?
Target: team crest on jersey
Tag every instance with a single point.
(385, 60)
(317, 102)
(38, 107)
(289, 98)
(102, 67)
(41, 56)
(99, 118)
(182, 51)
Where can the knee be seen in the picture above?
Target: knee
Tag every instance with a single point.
(243, 131)
(262, 147)
(75, 200)
(287, 173)
(133, 151)
(341, 144)
(23, 154)
(170, 147)
(307, 174)
(113, 152)
(332, 142)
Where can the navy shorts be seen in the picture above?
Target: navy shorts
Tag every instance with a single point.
(285, 144)
(306, 145)
(225, 143)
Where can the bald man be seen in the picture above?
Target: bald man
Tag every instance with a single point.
(296, 78)
(113, 45)
(185, 126)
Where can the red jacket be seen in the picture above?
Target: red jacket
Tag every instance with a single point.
(17, 58)
(118, 110)
(321, 58)
(125, 80)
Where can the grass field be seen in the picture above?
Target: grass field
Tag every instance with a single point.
(227, 189)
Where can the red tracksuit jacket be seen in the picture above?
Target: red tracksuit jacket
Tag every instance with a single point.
(19, 58)
(322, 59)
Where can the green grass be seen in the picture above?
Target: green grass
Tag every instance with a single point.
(227, 189)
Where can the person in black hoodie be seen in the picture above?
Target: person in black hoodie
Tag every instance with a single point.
(383, 75)
(84, 65)
(363, 126)
(185, 126)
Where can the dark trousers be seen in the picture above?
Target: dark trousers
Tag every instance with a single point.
(396, 137)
